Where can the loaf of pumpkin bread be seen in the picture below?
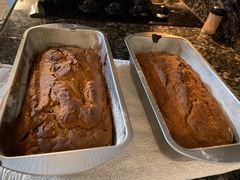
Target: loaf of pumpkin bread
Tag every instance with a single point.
(66, 105)
(192, 115)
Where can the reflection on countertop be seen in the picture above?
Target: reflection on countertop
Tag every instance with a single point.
(5, 7)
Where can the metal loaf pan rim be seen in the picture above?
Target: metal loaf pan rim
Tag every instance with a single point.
(73, 161)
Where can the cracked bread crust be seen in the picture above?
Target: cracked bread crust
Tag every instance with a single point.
(192, 115)
(66, 105)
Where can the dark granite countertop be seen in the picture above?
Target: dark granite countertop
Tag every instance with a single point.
(223, 59)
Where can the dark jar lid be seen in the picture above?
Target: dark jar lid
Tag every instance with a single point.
(218, 11)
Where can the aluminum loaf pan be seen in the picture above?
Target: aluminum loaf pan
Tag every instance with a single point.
(143, 43)
(35, 40)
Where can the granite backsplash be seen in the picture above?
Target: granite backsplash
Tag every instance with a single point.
(229, 29)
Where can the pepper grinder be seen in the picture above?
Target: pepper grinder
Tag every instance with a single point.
(213, 20)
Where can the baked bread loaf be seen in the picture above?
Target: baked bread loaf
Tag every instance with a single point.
(192, 115)
(66, 105)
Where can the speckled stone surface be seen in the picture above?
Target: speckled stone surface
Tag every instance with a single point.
(222, 58)
(229, 29)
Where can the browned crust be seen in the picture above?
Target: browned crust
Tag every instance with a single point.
(66, 105)
(192, 115)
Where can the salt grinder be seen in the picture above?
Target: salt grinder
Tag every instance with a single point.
(213, 20)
